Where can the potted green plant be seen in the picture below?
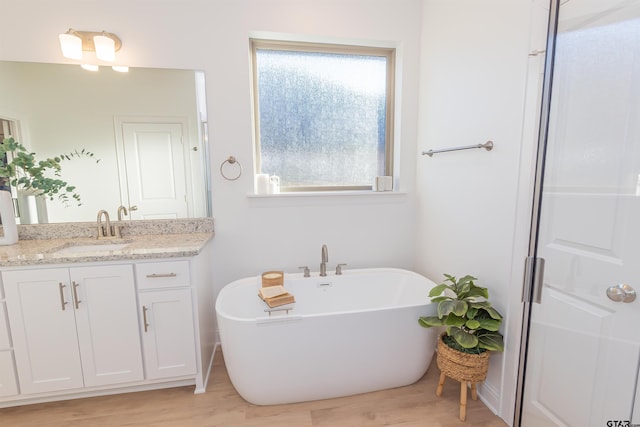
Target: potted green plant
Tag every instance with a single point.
(471, 333)
(471, 322)
(19, 168)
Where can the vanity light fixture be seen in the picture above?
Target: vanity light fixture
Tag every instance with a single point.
(104, 44)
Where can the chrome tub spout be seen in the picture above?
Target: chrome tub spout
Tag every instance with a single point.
(325, 259)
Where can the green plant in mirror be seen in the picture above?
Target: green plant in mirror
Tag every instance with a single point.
(471, 322)
(20, 168)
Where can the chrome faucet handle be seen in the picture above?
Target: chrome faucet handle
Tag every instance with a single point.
(307, 273)
(339, 269)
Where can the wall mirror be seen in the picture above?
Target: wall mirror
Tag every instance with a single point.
(147, 127)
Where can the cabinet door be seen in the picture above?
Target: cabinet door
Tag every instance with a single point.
(5, 344)
(168, 333)
(43, 330)
(8, 384)
(107, 323)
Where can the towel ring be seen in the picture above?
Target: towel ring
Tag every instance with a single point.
(232, 161)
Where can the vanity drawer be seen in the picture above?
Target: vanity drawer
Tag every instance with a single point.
(168, 274)
(4, 328)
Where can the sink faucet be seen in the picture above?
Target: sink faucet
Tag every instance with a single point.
(104, 231)
(325, 259)
(122, 211)
(116, 228)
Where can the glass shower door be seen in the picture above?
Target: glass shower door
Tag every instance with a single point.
(583, 347)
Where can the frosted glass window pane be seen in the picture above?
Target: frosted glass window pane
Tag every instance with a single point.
(322, 117)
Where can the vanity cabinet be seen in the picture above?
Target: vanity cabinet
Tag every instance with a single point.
(167, 320)
(73, 327)
(79, 326)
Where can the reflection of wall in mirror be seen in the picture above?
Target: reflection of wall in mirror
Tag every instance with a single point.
(62, 108)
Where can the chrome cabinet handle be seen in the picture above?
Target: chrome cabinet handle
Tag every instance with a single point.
(75, 295)
(157, 275)
(621, 293)
(62, 301)
(144, 318)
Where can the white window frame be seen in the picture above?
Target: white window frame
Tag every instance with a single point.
(297, 46)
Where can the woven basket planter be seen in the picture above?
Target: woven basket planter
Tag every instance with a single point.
(461, 366)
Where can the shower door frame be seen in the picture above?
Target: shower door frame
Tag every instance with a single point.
(534, 267)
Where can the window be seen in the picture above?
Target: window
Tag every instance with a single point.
(323, 114)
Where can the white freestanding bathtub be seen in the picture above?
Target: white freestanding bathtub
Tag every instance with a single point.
(346, 334)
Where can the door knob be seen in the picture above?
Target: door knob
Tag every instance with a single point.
(621, 293)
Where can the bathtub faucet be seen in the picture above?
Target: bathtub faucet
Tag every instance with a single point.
(325, 259)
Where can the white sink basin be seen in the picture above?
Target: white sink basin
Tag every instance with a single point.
(91, 248)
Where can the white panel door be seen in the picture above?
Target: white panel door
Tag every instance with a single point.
(107, 324)
(584, 347)
(43, 325)
(168, 333)
(155, 170)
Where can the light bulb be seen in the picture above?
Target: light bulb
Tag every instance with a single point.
(71, 46)
(105, 48)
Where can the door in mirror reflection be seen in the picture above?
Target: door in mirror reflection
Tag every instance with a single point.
(584, 340)
(156, 171)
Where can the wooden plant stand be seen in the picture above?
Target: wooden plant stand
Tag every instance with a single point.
(469, 369)
(463, 394)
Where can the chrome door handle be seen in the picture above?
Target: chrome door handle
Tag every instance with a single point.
(621, 293)
(62, 301)
(158, 275)
(75, 295)
(144, 318)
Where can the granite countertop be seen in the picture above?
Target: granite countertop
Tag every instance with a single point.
(160, 243)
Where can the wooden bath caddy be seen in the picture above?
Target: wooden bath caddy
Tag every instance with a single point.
(275, 296)
(280, 300)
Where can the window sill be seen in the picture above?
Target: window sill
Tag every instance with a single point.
(323, 194)
(326, 199)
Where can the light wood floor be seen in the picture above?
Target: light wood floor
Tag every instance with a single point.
(414, 405)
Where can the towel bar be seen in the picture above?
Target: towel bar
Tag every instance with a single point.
(487, 146)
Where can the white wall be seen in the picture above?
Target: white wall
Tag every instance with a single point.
(478, 83)
(255, 234)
